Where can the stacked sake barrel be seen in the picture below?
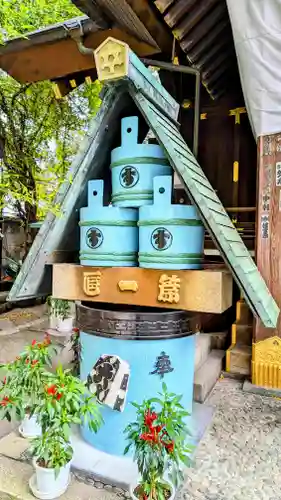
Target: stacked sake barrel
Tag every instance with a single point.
(141, 227)
(129, 351)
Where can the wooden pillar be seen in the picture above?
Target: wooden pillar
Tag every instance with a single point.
(266, 356)
(235, 173)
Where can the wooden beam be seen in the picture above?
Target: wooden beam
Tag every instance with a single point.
(55, 60)
(155, 27)
(64, 86)
(267, 346)
(207, 291)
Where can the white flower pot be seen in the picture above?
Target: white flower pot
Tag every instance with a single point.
(29, 427)
(173, 491)
(47, 485)
(53, 322)
(65, 325)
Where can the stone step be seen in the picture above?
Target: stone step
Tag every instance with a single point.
(238, 359)
(207, 375)
(202, 349)
(241, 334)
(244, 315)
(218, 340)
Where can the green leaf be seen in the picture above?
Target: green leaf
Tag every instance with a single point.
(127, 449)
(156, 400)
(66, 431)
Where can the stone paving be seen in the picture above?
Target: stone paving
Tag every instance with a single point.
(239, 457)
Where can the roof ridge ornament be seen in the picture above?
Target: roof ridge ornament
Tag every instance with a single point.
(116, 61)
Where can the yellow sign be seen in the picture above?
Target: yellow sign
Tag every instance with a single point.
(91, 283)
(169, 288)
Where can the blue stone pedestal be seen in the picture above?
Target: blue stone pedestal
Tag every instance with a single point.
(151, 346)
(122, 471)
(141, 356)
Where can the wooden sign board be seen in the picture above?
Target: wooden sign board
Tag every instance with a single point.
(208, 291)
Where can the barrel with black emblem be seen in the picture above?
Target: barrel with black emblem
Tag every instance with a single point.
(170, 236)
(126, 356)
(108, 235)
(133, 167)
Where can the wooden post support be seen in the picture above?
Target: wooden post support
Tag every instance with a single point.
(266, 361)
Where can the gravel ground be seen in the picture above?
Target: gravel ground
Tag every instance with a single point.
(239, 457)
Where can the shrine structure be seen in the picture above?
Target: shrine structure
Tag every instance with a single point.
(138, 320)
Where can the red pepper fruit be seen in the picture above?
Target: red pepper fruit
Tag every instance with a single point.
(5, 401)
(33, 342)
(59, 396)
(158, 428)
(34, 362)
(47, 340)
(52, 390)
(170, 447)
(149, 418)
(152, 437)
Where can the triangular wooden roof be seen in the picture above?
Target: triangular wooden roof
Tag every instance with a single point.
(160, 112)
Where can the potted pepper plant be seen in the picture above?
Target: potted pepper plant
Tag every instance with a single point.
(64, 315)
(66, 402)
(23, 385)
(52, 460)
(158, 440)
(60, 314)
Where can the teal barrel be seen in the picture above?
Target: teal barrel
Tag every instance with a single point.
(126, 356)
(133, 167)
(170, 236)
(108, 235)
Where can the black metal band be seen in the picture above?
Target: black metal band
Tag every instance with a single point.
(136, 325)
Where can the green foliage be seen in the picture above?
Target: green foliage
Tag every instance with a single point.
(76, 348)
(51, 450)
(25, 380)
(59, 307)
(39, 135)
(67, 401)
(158, 439)
(18, 17)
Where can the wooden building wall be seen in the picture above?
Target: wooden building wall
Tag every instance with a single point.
(225, 137)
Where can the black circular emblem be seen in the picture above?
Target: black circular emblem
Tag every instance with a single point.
(161, 238)
(129, 176)
(94, 237)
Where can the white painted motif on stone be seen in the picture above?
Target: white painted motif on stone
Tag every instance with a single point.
(109, 380)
